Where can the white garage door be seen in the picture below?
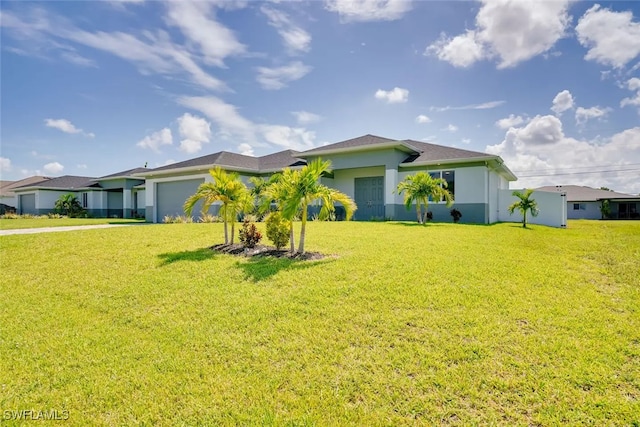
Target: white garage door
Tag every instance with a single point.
(170, 197)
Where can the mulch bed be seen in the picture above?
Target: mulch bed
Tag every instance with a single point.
(265, 251)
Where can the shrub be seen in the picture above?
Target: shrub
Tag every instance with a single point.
(168, 219)
(277, 230)
(182, 219)
(456, 214)
(249, 235)
(52, 215)
(429, 216)
(10, 216)
(251, 218)
(69, 205)
(208, 218)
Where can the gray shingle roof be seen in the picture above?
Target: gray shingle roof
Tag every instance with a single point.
(7, 189)
(577, 193)
(223, 159)
(65, 182)
(434, 152)
(280, 160)
(360, 141)
(128, 172)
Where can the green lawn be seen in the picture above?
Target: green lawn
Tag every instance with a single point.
(12, 224)
(443, 324)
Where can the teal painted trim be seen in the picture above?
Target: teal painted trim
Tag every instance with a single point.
(472, 213)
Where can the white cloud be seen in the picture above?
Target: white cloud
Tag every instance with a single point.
(156, 140)
(305, 117)
(66, 126)
(394, 96)
(510, 121)
(632, 84)
(278, 77)
(78, 59)
(369, 10)
(246, 149)
(151, 53)
(294, 37)
(512, 31)
(195, 131)
(53, 168)
(287, 137)
(611, 37)
(81, 166)
(483, 106)
(5, 165)
(562, 102)
(542, 146)
(585, 114)
(224, 115)
(240, 129)
(196, 20)
(451, 128)
(423, 119)
(62, 124)
(466, 140)
(460, 51)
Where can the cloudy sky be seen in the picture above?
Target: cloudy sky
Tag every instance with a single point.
(91, 88)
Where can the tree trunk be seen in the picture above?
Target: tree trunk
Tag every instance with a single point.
(291, 239)
(524, 219)
(233, 229)
(419, 212)
(226, 233)
(302, 228)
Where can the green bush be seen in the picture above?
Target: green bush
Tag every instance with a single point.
(208, 218)
(277, 229)
(249, 235)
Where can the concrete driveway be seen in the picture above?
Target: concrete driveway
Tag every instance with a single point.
(59, 229)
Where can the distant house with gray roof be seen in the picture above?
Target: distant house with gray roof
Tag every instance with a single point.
(586, 202)
(367, 168)
(114, 195)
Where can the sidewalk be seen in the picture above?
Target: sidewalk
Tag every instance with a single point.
(58, 229)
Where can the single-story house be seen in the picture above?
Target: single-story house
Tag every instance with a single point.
(586, 202)
(168, 187)
(113, 195)
(367, 168)
(8, 198)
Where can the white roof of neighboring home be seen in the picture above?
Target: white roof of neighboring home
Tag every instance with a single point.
(578, 193)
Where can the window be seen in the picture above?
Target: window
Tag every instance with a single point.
(449, 176)
(579, 206)
(85, 198)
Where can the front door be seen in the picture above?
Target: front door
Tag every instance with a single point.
(369, 196)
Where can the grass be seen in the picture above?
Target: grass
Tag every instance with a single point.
(443, 324)
(13, 224)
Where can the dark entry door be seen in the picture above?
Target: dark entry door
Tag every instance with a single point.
(369, 196)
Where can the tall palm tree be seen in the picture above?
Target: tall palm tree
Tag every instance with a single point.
(526, 203)
(227, 189)
(302, 187)
(419, 187)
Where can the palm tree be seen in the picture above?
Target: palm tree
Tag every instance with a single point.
(419, 187)
(302, 187)
(293, 190)
(278, 191)
(227, 189)
(523, 205)
(68, 204)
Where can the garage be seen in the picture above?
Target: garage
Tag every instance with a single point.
(170, 197)
(28, 204)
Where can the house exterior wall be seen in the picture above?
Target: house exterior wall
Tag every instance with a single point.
(586, 210)
(552, 207)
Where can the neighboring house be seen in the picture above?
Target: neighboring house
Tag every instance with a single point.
(367, 168)
(8, 198)
(113, 195)
(168, 187)
(585, 202)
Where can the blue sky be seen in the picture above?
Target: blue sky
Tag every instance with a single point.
(91, 88)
